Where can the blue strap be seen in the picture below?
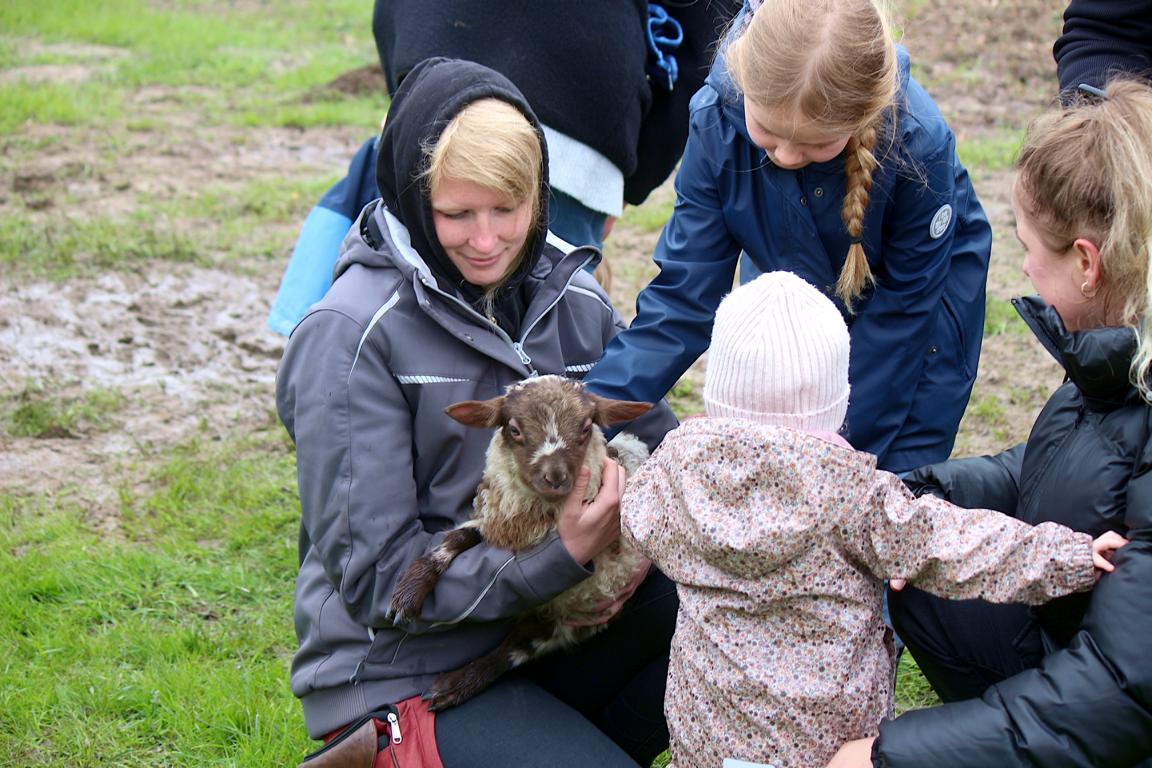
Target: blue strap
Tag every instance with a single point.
(664, 35)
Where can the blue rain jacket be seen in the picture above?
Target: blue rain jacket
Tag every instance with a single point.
(309, 272)
(915, 337)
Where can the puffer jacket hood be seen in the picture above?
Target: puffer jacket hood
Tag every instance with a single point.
(1097, 361)
(444, 87)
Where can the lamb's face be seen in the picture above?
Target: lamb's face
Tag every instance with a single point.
(547, 424)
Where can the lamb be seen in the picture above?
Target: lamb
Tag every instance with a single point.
(546, 430)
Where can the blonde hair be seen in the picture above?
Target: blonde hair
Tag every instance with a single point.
(833, 62)
(1084, 171)
(490, 143)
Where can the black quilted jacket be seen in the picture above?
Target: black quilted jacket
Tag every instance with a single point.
(1087, 464)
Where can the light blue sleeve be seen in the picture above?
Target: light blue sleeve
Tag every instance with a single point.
(309, 272)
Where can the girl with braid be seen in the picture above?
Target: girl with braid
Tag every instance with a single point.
(813, 151)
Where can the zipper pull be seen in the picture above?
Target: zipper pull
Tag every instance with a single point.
(519, 349)
(394, 726)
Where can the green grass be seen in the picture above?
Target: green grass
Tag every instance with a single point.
(988, 410)
(649, 217)
(23, 103)
(235, 51)
(167, 643)
(295, 113)
(273, 198)
(995, 151)
(912, 690)
(686, 399)
(1001, 317)
(204, 225)
(35, 413)
(59, 247)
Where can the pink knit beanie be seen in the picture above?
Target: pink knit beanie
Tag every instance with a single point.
(779, 356)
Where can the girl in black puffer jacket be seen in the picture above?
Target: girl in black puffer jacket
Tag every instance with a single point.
(1071, 684)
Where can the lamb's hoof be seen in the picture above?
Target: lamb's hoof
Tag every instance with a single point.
(451, 689)
(409, 595)
(401, 614)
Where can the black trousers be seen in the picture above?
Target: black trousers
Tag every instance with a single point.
(599, 704)
(964, 646)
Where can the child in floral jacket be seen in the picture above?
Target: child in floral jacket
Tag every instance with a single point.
(779, 536)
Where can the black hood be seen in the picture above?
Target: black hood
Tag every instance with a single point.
(433, 93)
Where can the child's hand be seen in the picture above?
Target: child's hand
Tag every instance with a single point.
(854, 754)
(1102, 548)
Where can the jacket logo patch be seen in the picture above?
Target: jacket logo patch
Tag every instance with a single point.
(940, 222)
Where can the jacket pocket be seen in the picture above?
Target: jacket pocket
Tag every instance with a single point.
(385, 646)
(952, 318)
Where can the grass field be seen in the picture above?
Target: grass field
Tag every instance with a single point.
(156, 160)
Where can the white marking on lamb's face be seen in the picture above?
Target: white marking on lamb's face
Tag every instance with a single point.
(550, 446)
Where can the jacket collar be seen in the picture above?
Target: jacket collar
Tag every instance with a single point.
(1097, 361)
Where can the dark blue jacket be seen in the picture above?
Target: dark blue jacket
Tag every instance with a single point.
(1087, 465)
(581, 65)
(915, 339)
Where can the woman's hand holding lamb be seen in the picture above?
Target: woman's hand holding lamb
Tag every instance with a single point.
(587, 528)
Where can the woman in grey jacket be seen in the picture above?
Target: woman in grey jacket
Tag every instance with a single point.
(447, 290)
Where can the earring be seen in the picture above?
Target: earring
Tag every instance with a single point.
(1086, 293)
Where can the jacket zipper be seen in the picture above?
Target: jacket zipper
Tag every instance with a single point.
(519, 345)
(394, 739)
(394, 727)
(517, 348)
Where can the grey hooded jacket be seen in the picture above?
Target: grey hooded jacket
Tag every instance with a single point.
(383, 472)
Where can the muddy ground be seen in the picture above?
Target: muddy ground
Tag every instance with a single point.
(185, 343)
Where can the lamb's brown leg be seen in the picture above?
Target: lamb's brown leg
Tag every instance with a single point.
(421, 577)
(452, 688)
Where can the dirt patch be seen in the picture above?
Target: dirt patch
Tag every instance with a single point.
(186, 348)
(365, 81)
(114, 177)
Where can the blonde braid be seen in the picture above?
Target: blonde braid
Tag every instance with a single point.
(859, 165)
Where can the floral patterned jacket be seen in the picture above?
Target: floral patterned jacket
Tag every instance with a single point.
(779, 541)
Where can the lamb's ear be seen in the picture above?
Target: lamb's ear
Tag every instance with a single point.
(609, 412)
(477, 413)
